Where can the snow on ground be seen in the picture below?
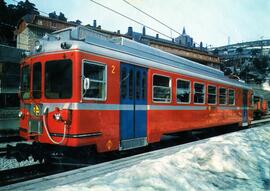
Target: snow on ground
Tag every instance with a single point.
(237, 161)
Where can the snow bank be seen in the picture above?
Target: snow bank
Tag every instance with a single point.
(237, 161)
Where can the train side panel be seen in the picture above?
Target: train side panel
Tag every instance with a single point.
(165, 118)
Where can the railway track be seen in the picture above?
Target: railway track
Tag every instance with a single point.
(41, 170)
(25, 173)
(3, 152)
(10, 138)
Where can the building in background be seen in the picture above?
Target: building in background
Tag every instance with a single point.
(249, 61)
(185, 39)
(32, 27)
(9, 88)
(181, 46)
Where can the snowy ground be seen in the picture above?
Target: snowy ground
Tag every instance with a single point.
(237, 161)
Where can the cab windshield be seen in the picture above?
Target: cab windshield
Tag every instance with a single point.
(25, 82)
(58, 79)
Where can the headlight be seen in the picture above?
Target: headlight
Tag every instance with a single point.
(57, 117)
(20, 115)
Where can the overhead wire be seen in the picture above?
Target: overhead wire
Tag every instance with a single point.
(151, 17)
(155, 19)
(121, 14)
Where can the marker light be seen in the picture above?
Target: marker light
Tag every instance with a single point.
(20, 115)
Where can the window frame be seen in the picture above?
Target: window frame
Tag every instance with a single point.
(229, 96)
(190, 92)
(195, 82)
(211, 94)
(226, 100)
(170, 85)
(105, 80)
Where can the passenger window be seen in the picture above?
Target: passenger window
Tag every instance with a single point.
(222, 96)
(183, 91)
(199, 93)
(161, 89)
(231, 97)
(124, 78)
(212, 94)
(98, 81)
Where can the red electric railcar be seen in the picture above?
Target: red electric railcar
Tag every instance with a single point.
(80, 89)
(260, 106)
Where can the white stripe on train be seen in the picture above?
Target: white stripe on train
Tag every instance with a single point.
(130, 107)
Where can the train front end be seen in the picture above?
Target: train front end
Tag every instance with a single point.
(46, 93)
(49, 88)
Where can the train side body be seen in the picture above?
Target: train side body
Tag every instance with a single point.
(122, 107)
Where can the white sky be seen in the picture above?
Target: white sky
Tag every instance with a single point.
(209, 21)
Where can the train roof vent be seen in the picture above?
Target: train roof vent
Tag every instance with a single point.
(79, 33)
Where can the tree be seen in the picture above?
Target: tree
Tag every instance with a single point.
(27, 8)
(9, 17)
(3, 10)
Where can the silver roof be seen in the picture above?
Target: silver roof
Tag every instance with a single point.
(128, 51)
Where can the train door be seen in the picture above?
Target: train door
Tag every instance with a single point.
(244, 108)
(133, 105)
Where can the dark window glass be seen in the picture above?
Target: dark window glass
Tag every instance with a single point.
(231, 97)
(58, 79)
(138, 84)
(212, 94)
(130, 84)
(97, 76)
(25, 82)
(144, 85)
(222, 96)
(161, 89)
(183, 91)
(124, 78)
(37, 80)
(199, 93)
